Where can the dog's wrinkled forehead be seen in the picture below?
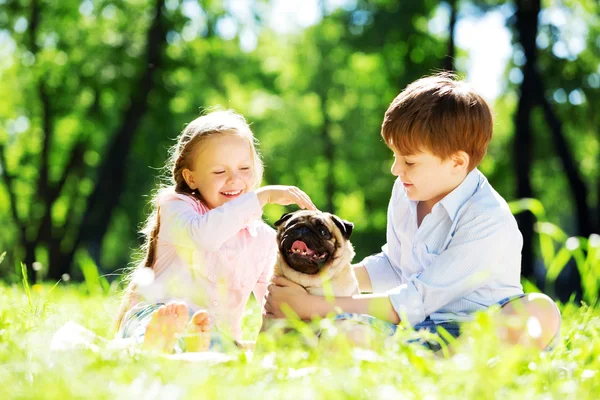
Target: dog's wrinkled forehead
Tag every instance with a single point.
(307, 216)
(314, 217)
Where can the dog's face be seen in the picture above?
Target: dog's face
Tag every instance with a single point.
(310, 241)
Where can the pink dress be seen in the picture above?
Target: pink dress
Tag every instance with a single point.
(212, 259)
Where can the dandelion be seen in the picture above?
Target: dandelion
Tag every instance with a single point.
(66, 277)
(37, 266)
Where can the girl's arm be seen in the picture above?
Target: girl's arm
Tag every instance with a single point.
(182, 224)
(306, 306)
(260, 289)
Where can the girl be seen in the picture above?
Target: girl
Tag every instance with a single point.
(206, 246)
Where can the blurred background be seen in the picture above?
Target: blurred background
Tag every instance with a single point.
(95, 91)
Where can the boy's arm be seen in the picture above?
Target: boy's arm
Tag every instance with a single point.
(362, 276)
(377, 274)
(479, 249)
(307, 306)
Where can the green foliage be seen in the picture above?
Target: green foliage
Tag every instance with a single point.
(95, 283)
(479, 367)
(557, 249)
(315, 98)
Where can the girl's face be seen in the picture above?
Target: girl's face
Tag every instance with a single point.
(223, 169)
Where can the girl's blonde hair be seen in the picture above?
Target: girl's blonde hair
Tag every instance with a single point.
(182, 156)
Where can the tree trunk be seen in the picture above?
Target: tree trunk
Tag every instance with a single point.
(105, 196)
(527, 27)
(576, 183)
(450, 53)
(328, 145)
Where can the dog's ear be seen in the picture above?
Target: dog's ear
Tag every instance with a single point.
(344, 226)
(283, 218)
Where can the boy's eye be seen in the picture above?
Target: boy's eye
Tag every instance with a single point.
(410, 164)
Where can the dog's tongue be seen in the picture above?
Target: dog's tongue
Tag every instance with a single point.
(300, 245)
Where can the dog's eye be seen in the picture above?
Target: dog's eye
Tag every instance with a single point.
(323, 232)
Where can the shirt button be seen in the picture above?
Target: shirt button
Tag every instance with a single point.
(215, 303)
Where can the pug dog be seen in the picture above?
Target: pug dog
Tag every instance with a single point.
(315, 246)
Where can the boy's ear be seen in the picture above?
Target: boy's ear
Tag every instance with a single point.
(344, 226)
(189, 178)
(461, 159)
(283, 218)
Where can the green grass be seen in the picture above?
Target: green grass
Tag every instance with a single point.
(481, 368)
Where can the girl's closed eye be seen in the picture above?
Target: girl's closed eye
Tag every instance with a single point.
(245, 168)
(219, 172)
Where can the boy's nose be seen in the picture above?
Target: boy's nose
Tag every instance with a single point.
(396, 169)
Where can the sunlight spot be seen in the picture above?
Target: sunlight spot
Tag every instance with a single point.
(21, 25)
(388, 392)
(365, 355)
(463, 362)
(66, 277)
(532, 366)
(143, 277)
(588, 373)
(301, 372)
(572, 243)
(569, 387)
(37, 266)
(594, 240)
(268, 361)
(534, 328)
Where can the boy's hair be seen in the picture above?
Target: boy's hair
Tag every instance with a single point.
(439, 114)
(182, 156)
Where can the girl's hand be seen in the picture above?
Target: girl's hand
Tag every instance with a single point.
(284, 195)
(283, 291)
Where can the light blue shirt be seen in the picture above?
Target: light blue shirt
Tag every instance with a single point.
(465, 256)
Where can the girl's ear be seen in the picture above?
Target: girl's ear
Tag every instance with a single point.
(189, 178)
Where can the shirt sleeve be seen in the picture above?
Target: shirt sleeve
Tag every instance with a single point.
(182, 224)
(383, 271)
(474, 254)
(260, 289)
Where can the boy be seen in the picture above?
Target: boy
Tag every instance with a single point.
(453, 247)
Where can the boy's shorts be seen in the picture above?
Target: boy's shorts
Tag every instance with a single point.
(389, 329)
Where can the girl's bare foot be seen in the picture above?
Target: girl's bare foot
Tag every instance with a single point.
(165, 325)
(197, 332)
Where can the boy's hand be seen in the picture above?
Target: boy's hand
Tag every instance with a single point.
(284, 195)
(284, 291)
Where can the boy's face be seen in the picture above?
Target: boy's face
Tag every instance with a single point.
(428, 178)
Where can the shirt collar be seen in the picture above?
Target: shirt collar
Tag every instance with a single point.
(459, 196)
